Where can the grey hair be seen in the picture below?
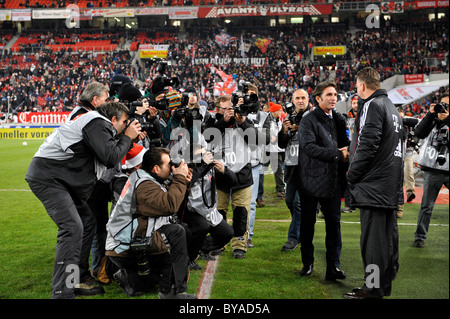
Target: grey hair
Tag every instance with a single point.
(91, 90)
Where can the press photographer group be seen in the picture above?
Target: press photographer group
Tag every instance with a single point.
(171, 165)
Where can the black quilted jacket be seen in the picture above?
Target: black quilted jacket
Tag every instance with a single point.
(321, 169)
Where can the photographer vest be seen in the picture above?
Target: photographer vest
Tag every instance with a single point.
(258, 120)
(434, 144)
(123, 222)
(57, 145)
(203, 198)
(291, 151)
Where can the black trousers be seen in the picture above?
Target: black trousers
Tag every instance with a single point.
(168, 270)
(76, 228)
(218, 237)
(332, 213)
(379, 249)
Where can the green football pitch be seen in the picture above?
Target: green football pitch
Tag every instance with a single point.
(28, 238)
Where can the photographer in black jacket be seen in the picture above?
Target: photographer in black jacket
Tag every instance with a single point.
(62, 175)
(288, 139)
(375, 181)
(433, 159)
(140, 109)
(231, 124)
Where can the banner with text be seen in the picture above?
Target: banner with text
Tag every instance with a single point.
(43, 117)
(426, 4)
(330, 50)
(224, 61)
(414, 78)
(25, 133)
(149, 51)
(21, 15)
(261, 11)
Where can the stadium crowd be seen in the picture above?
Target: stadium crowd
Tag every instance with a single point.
(53, 80)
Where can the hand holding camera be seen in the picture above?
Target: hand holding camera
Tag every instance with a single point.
(228, 114)
(440, 109)
(133, 129)
(239, 118)
(182, 169)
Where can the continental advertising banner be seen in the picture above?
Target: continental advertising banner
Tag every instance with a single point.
(25, 133)
(42, 117)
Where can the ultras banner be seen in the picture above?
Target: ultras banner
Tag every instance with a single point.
(268, 10)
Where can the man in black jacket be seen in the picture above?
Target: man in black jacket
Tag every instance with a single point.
(62, 175)
(322, 156)
(288, 140)
(375, 180)
(433, 160)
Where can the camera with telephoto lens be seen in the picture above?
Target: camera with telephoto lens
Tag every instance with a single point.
(139, 247)
(441, 145)
(250, 105)
(441, 107)
(161, 84)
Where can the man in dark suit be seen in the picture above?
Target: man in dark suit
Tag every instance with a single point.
(322, 166)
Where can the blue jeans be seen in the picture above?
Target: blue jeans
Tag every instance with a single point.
(293, 203)
(432, 183)
(254, 190)
(261, 183)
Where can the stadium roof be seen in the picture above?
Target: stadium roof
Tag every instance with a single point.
(409, 93)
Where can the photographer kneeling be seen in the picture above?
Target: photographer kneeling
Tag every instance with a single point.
(433, 159)
(143, 213)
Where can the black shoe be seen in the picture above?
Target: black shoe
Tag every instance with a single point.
(290, 245)
(194, 266)
(123, 281)
(307, 270)
(419, 243)
(181, 295)
(335, 273)
(217, 252)
(206, 256)
(239, 254)
(360, 294)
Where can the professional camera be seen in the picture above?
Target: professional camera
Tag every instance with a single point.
(413, 142)
(441, 107)
(180, 103)
(175, 163)
(441, 145)
(139, 246)
(292, 117)
(161, 84)
(160, 105)
(250, 105)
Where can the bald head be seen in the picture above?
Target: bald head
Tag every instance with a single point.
(300, 99)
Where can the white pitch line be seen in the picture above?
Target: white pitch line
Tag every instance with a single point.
(15, 190)
(207, 279)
